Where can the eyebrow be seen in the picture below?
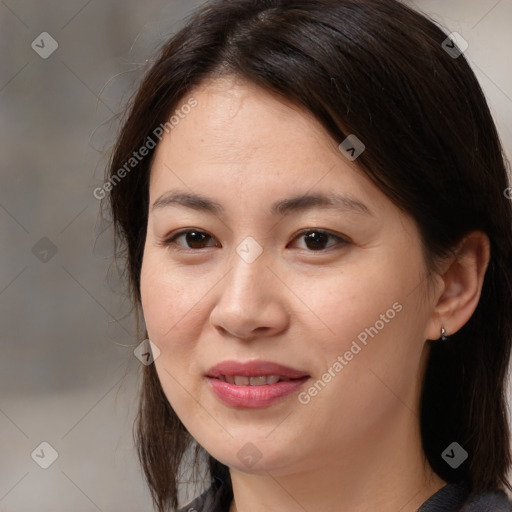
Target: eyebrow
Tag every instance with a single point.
(282, 207)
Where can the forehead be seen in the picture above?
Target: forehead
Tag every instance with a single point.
(241, 141)
(235, 121)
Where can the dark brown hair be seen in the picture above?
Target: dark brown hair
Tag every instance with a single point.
(376, 69)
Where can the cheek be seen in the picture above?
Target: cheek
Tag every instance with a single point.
(372, 317)
(157, 299)
(168, 298)
(347, 302)
(168, 309)
(173, 299)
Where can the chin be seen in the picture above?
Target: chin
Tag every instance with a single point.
(253, 457)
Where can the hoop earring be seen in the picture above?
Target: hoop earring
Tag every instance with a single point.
(443, 334)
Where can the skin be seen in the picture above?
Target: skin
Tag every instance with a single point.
(356, 445)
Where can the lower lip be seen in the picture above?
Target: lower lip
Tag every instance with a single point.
(254, 397)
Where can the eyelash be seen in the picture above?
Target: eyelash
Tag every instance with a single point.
(170, 241)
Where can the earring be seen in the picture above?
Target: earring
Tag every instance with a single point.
(443, 334)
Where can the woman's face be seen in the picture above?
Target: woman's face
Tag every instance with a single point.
(336, 294)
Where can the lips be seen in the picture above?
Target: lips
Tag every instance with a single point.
(252, 372)
(260, 380)
(254, 385)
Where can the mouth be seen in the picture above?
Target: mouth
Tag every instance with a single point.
(254, 384)
(260, 380)
(254, 373)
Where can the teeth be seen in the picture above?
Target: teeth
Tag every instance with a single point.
(258, 381)
(261, 380)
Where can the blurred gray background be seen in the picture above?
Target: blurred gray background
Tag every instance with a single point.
(68, 376)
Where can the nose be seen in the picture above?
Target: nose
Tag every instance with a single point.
(251, 301)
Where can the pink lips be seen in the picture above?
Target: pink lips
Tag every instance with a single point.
(253, 396)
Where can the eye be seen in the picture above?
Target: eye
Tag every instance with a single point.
(315, 239)
(193, 237)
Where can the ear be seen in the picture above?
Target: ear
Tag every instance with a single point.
(460, 286)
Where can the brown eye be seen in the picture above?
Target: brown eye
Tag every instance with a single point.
(194, 239)
(316, 240)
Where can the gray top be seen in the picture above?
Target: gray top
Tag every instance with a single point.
(450, 498)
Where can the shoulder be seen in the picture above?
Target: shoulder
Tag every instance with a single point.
(199, 504)
(457, 497)
(489, 501)
(447, 499)
(214, 499)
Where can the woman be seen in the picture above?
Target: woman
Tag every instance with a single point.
(310, 194)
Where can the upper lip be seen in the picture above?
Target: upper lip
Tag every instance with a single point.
(254, 369)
